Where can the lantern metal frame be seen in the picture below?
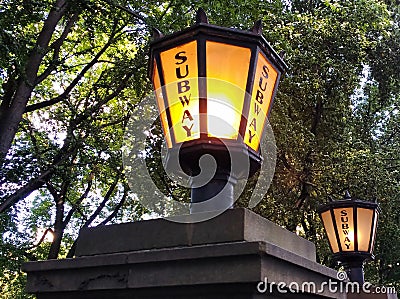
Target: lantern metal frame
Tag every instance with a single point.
(352, 261)
(191, 151)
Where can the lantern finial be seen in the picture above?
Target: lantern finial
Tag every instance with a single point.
(157, 33)
(201, 16)
(257, 28)
(347, 195)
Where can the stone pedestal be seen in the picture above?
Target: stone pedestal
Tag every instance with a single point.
(225, 257)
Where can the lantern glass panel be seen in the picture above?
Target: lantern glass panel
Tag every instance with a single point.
(223, 119)
(180, 73)
(264, 82)
(330, 230)
(161, 105)
(364, 224)
(374, 232)
(345, 226)
(227, 63)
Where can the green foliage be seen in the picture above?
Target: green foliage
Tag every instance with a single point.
(11, 256)
(335, 118)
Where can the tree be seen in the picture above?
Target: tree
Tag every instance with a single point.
(72, 72)
(66, 150)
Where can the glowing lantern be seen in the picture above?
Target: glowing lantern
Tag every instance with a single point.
(214, 86)
(350, 225)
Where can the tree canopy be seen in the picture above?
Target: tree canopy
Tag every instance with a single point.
(73, 71)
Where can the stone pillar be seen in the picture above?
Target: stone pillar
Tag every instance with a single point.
(225, 257)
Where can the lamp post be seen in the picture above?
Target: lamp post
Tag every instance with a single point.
(214, 89)
(350, 225)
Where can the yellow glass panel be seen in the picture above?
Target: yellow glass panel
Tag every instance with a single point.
(374, 231)
(330, 230)
(161, 105)
(180, 75)
(230, 64)
(345, 226)
(364, 223)
(263, 89)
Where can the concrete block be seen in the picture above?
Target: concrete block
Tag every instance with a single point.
(225, 257)
(234, 225)
(214, 269)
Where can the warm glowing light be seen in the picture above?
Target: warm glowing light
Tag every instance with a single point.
(181, 78)
(184, 111)
(214, 83)
(223, 120)
(364, 228)
(345, 227)
(351, 236)
(48, 238)
(330, 230)
(264, 85)
(350, 225)
(161, 105)
(227, 72)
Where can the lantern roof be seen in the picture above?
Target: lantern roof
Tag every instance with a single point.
(348, 201)
(202, 27)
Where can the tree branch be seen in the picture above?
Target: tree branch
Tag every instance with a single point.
(52, 190)
(11, 117)
(41, 239)
(31, 186)
(74, 82)
(116, 209)
(103, 203)
(71, 251)
(77, 203)
(56, 45)
(108, 98)
(129, 11)
(9, 90)
(164, 12)
(36, 183)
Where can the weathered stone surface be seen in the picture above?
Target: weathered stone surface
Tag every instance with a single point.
(213, 269)
(225, 257)
(234, 225)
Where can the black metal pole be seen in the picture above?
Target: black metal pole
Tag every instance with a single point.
(216, 195)
(355, 271)
(356, 274)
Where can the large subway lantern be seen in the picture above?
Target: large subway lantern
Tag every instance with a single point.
(214, 87)
(350, 225)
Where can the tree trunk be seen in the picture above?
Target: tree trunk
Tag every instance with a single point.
(11, 113)
(58, 231)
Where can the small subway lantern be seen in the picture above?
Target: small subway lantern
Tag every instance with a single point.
(350, 225)
(214, 88)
